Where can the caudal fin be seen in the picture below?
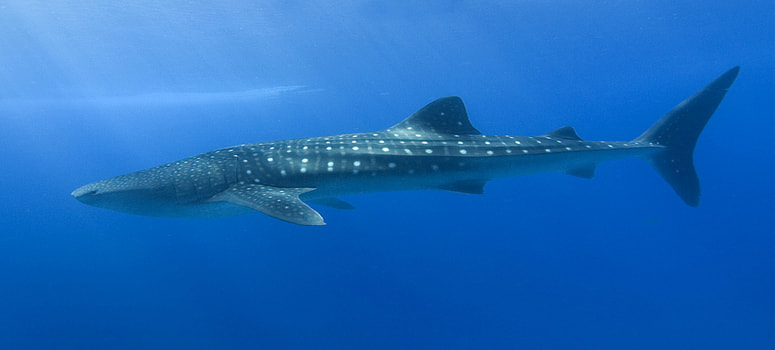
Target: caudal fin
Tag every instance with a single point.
(679, 130)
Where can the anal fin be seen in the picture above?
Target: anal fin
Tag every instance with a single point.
(277, 202)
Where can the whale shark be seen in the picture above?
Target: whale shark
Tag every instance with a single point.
(436, 148)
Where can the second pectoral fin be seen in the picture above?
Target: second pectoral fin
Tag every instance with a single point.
(332, 202)
(466, 186)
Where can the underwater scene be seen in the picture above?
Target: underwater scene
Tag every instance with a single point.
(373, 174)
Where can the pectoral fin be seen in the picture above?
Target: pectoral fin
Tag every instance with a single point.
(277, 202)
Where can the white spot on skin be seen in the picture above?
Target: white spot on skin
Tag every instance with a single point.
(330, 164)
(303, 170)
(547, 150)
(490, 152)
(408, 151)
(385, 149)
(305, 160)
(270, 159)
(567, 148)
(283, 173)
(460, 142)
(610, 146)
(429, 151)
(356, 163)
(328, 148)
(462, 151)
(517, 142)
(524, 151)
(381, 141)
(248, 172)
(355, 148)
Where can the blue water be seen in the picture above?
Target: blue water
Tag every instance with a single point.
(94, 89)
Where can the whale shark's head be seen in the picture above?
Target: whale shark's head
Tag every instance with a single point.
(155, 192)
(130, 193)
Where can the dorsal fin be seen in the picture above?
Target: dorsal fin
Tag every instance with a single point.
(564, 133)
(446, 115)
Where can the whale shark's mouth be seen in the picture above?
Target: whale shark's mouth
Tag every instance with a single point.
(83, 192)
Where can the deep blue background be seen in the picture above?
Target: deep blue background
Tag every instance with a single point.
(100, 88)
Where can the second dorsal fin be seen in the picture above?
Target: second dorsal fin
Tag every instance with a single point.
(564, 133)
